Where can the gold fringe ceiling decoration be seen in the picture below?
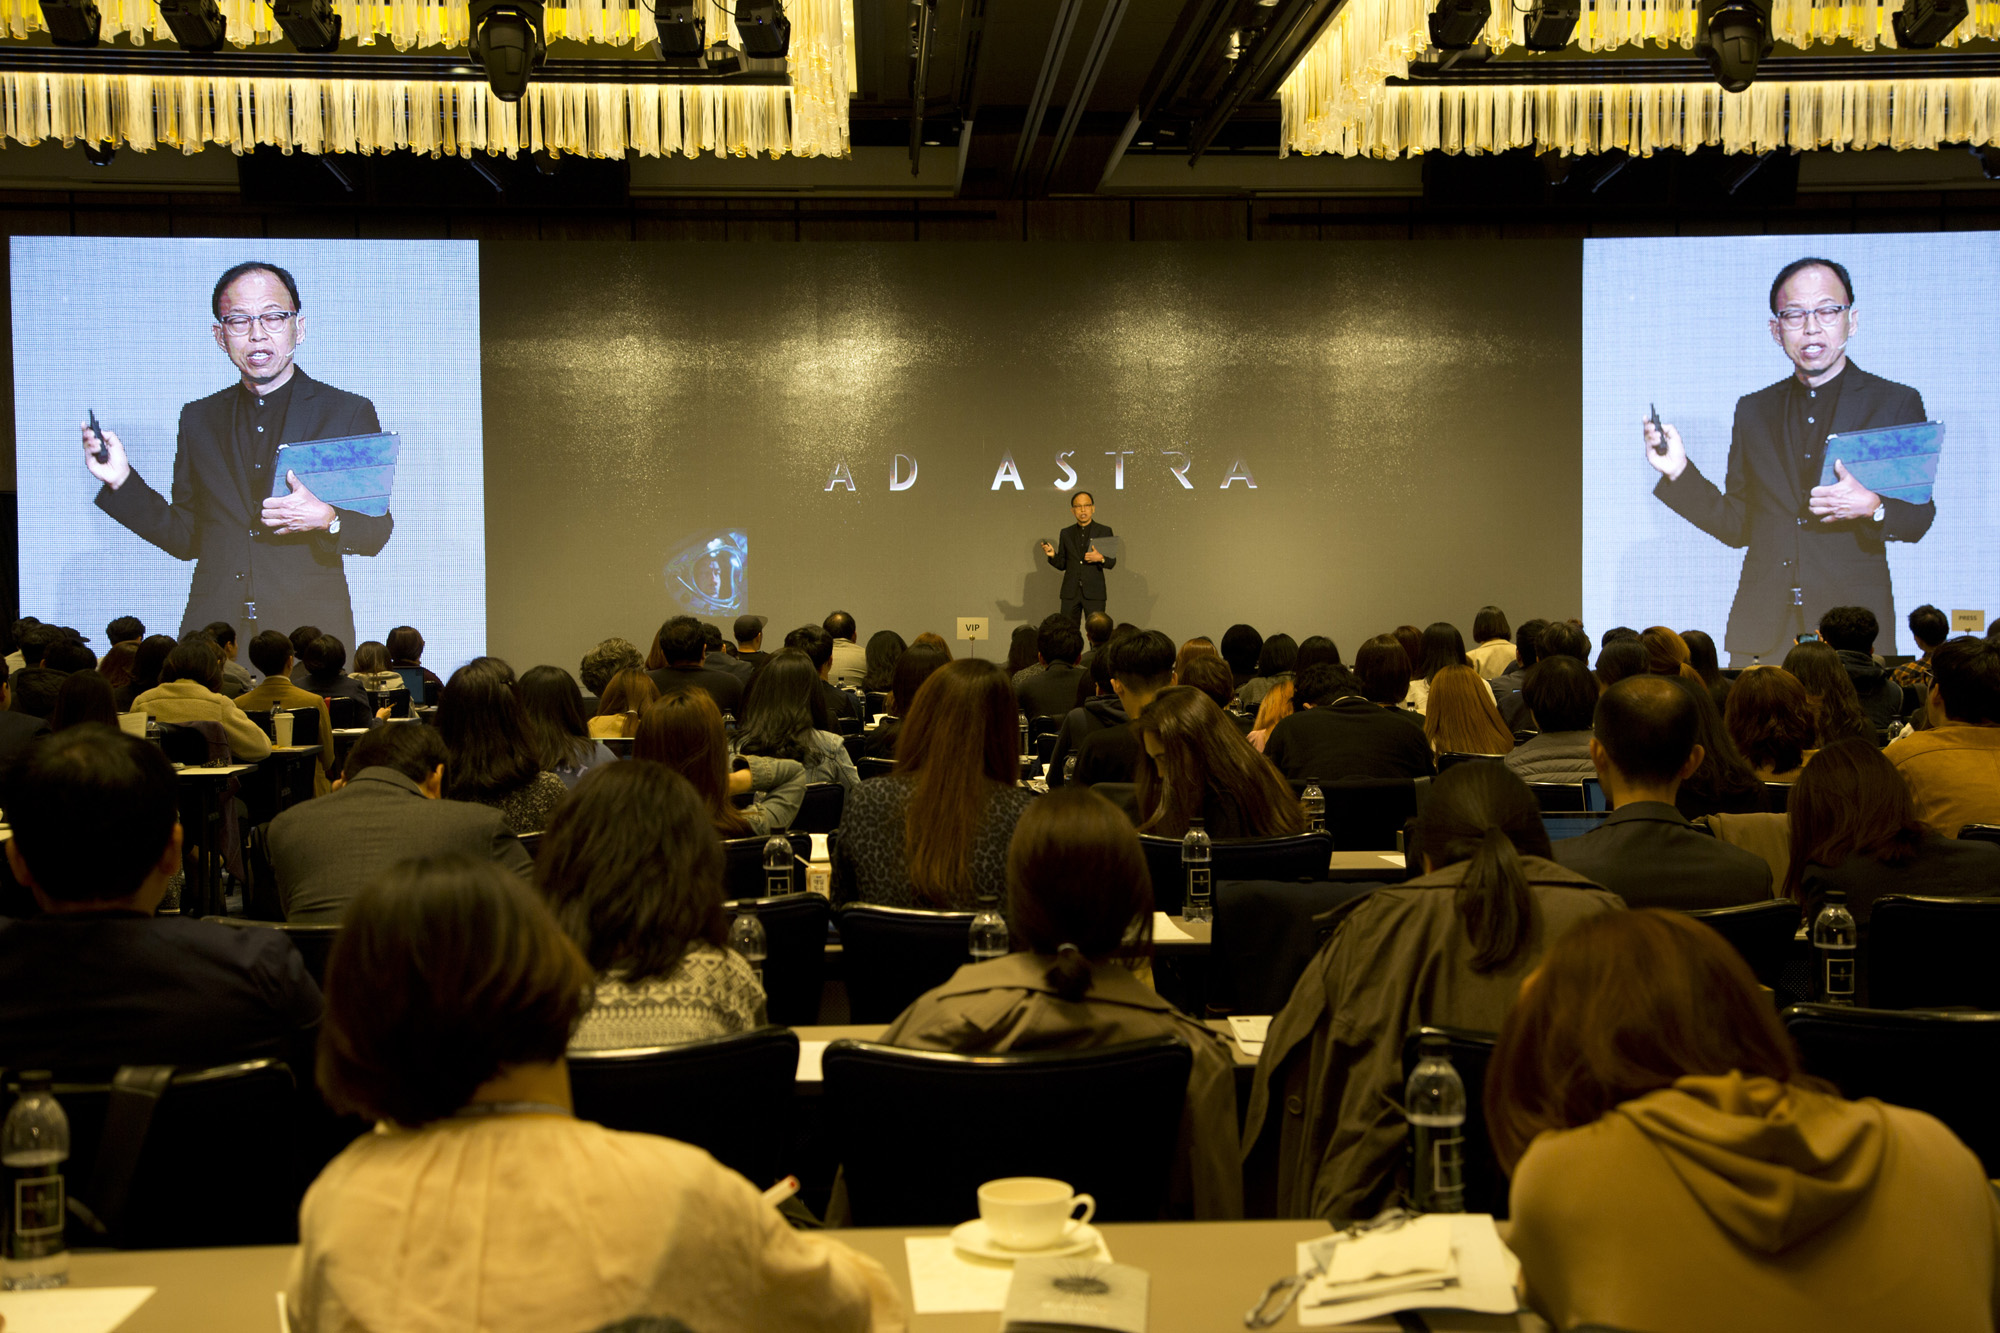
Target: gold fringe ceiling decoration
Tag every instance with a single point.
(1337, 99)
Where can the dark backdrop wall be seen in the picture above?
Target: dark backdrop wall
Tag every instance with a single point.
(1409, 412)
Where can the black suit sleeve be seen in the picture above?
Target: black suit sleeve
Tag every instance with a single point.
(1725, 514)
(170, 525)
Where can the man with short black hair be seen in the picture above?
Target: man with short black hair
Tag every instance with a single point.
(69, 656)
(750, 640)
(850, 659)
(1241, 647)
(1850, 631)
(1643, 747)
(686, 653)
(16, 633)
(817, 645)
(1559, 638)
(1954, 768)
(18, 727)
(34, 642)
(388, 808)
(271, 653)
(1141, 665)
(31, 691)
(98, 980)
(1929, 628)
(717, 657)
(1507, 685)
(125, 629)
(1075, 553)
(1337, 733)
(236, 680)
(1561, 694)
(1096, 633)
(1051, 692)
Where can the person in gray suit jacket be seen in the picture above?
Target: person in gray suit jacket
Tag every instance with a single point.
(386, 809)
(1642, 743)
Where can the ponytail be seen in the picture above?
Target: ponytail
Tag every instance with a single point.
(1070, 977)
(1494, 902)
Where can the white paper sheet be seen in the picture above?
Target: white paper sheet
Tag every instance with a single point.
(1486, 1273)
(945, 1280)
(71, 1309)
(1394, 859)
(1165, 929)
(820, 852)
(810, 1053)
(1250, 1031)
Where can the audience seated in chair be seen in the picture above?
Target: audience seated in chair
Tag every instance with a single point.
(371, 668)
(406, 652)
(1199, 766)
(236, 680)
(271, 653)
(1339, 733)
(1277, 706)
(1439, 645)
(632, 869)
(97, 980)
(187, 692)
(1492, 650)
(19, 727)
(1562, 695)
(1854, 827)
(885, 649)
(1099, 709)
(913, 667)
(1831, 688)
(552, 706)
(1448, 949)
(1460, 716)
(493, 758)
(606, 660)
(849, 660)
(1929, 629)
(1954, 768)
(482, 1202)
(934, 833)
(683, 730)
(1646, 852)
(1674, 1170)
(146, 664)
(1277, 660)
(1773, 722)
(679, 659)
(1081, 906)
(387, 808)
(1514, 710)
(1723, 783)
(1141, 665)
(817, 644)
(325, 662)
(621, 702)
(1851, 632)
(84, 697)
(785, 717)
(1051, 691)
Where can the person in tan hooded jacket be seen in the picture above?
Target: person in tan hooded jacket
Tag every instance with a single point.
(1674, 1171)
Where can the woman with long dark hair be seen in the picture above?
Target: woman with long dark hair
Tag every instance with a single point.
(84, 696)
(785, 717)
(885, 646)
(1724, 784)
(553, 707)
(1276, 661)
(913, 668)
(493, 760)
(683, 730)
(1080, 906)
(1202, 766)
(632, 869)
(1441, 646)
(146, 663)
(1702, 657)
(1835, 703)
(1447, 949)
(934, 833)
(1021, 653)
(1674, 1169)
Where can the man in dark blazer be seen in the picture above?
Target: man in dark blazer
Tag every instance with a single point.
(387, 810)
(260, 563)
(1810, 547)
(1082, 564)
(1642, 745)
(1337, 734)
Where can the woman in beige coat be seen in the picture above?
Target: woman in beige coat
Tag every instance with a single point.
(189, 691)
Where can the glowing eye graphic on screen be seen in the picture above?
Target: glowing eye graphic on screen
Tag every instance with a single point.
(711, 573)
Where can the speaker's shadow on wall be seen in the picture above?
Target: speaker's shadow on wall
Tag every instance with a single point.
(1127, 596)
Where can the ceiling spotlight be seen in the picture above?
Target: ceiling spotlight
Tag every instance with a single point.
(99, 154)
(683, 32)
(722, 58)
(1456, 24)
(71, 22)
(1550, 23)
(310, 25)
(507, 42)
(1233, 50)
(1989, 159)
(764, 30)
(198, 25)
(1922, 24)
(1732, 36)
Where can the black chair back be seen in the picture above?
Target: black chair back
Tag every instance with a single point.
(618, 745)
(1764, 933)
(314, 942)
(820, 811)
(730, 1095)
(871, 767)
(1365, 815)
(891, 955)
(531, 843)
(1559, 797)
(849, 726)
(1981, 832)
(187, 745)
(1933, 953)
(1471, 1052)
(1263, 938)
(1779, 794)
(1039, 727)
(305, 725)
(346, 713)
(1300, 856)
(743, 865)
(175, 1159)
(1924, 1058)
(876, 701)
(1104, 1120)
(1453, 758)
(795, 954)
(397, 701)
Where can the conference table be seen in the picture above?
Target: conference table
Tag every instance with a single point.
(1204, 1276)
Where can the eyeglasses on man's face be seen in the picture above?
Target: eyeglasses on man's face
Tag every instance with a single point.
(274, 321)
(1825, 314)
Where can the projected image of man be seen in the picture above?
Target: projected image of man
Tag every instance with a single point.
(1075, 553)
(1810, 547)
(260, 562)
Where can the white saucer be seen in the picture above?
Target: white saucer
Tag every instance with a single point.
(974, 1238)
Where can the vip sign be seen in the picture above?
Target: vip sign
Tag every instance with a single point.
(903, 472)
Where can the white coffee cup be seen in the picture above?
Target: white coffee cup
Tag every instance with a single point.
(133, 724)
(1032, 1212)
(281, 726)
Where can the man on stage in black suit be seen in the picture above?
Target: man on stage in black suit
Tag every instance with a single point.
(260, 563)
(1811, 547)
(1077, 556)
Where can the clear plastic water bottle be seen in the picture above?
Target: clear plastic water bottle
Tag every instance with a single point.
(1313, 802)
(1023, 718)
(1069, 768)
(1833, 937)
(777, 866)
(746, 936)
(988, 937)
(1434, 1102)
(1195, 855)
(34, 1144)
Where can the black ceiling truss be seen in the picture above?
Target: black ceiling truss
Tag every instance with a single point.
(1789, 69)
(448, 68)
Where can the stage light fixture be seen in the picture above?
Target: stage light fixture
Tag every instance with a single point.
(1732, 36)
(1456, 24)
(310, 25)
(683, 31)
(764, 30)
(507, 43)
(71, 22)
(1550, 23)
(99, 154)
(198, 25)
(1922, 24)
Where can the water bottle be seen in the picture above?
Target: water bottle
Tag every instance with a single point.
(1023, 719)
(1435, 1105)
(988, 939)
(777, 866)
(1833, 937)
(34, 1144)
(1194, 865)
(1313, 802)
(1069, 768)
(746, 936)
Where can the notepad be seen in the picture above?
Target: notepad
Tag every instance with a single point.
(1250, 1031)
(1165, 929)
(354, 472)
(71, 1309)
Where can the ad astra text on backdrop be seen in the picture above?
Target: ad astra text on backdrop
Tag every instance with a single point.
(903, 472)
